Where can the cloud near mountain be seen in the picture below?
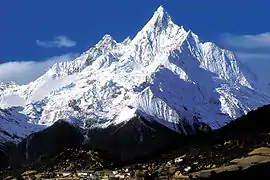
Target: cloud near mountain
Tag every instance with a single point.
(23, 72)
(58, 42)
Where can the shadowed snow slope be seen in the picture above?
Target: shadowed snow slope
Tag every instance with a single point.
(164, 74)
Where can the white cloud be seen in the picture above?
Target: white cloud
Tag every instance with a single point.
(247, 41)
(23, 72)
(259, 63)
(59, 42)
(253, 56)
(252, 50)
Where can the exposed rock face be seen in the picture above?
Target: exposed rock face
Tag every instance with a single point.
(55, 139)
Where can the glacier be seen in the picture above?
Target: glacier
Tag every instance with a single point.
(165, 74)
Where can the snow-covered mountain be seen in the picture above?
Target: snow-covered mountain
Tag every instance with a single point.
(165, 74)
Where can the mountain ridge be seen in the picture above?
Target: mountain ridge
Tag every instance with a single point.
(164, 74)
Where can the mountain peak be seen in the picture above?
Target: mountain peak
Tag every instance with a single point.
(106, 39)
(164, 74)
(160, 9)
(160, 20)
(106, 43)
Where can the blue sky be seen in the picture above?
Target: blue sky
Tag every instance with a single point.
(36, 34)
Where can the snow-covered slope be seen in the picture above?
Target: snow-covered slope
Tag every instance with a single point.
(164, 74)
(15, 125)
